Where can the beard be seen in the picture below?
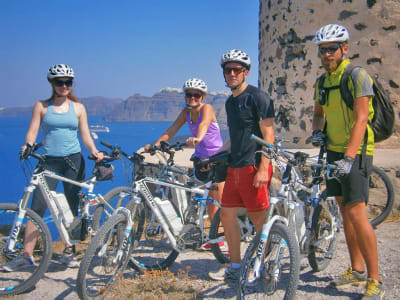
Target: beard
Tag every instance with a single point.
(332, 65)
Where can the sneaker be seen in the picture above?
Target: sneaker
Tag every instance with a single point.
(69, 260)
(232, 274)
(350, 277)
(226, 273)
(375, 290)
(207, 246)
(20, 262)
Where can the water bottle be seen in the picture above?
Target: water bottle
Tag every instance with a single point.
(63, 208)
(170, 214)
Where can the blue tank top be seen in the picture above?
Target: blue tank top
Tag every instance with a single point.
(60, 131)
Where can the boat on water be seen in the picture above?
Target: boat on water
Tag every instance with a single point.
(99, 128)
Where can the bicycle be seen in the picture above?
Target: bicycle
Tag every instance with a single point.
(300, 219)
(14, 217)
(381, 195)
(154, 231)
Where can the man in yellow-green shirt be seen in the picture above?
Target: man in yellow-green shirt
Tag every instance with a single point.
(344, 133)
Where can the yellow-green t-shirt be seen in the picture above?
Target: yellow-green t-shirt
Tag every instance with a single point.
(339, 117)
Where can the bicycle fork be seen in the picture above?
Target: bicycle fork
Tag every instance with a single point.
(262, 245)
(125, 238)
(19, 218)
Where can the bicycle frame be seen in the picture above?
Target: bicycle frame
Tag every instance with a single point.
(141, 186)
(39, 180)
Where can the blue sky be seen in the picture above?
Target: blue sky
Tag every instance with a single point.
(119, 48)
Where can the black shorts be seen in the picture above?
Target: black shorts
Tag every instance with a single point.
(355, 186)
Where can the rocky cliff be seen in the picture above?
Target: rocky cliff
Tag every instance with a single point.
(288, 61)
(162, 106)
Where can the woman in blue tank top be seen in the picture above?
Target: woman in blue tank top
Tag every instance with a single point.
(203, 124)
(60, 117)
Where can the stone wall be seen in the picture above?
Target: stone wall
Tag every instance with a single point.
(288, 61)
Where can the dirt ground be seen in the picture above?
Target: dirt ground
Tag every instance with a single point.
(59, 283)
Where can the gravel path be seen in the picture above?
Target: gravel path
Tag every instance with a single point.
(59, 283)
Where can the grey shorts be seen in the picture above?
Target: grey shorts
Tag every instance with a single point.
(355, 186)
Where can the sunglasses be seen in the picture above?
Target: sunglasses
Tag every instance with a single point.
(329, 50)
(190, 95)
(236, 70)
(60, 83)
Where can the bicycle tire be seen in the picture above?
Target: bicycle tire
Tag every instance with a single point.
(152, 250)
(319, 257)
(221, 250)
(43, 247)
(116, 198)
(280, 267)
(110, 235)
(381, 196)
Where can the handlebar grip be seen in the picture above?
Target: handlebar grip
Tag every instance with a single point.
(260, 141)
(175, 170)
(106, 144)
(37, 146)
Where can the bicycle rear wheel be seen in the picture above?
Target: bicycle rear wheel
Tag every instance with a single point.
(220, 249)
(152, 250)
(321, 255)
(17, 279)
(381, 196)
(105, 259)
(117, 197)
(280, 268)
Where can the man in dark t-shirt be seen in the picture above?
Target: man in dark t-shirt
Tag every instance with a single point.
(249, 111)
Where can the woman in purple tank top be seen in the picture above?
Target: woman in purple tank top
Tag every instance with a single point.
(202, 122)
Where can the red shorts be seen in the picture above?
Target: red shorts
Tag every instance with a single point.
(240, 192)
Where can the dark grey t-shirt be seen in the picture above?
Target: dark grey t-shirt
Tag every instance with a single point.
(244, 112)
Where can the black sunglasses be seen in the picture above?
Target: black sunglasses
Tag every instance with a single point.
(236, 70)
(59, 83)
(190, 95)
(330, 50)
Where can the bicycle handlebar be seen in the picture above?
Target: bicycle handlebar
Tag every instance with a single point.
(274, 152)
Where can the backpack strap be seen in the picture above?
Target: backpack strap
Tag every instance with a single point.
(345, 92)
(323, 92)
(348, 98)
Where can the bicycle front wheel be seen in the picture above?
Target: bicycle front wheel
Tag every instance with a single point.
(105, 259)
(381, 196)
(321, 254)
(16, 273)
(279, 274)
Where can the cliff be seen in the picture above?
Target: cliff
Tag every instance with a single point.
(162, 106)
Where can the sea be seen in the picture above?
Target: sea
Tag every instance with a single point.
(130, 136)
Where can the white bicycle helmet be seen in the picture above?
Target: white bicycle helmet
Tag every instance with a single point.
(60, 70)
(331, 33)
(237, 56)
(196, 84)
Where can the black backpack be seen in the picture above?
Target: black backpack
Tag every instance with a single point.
(382, 123)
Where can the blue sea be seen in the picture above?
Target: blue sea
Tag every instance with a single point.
(130, 136)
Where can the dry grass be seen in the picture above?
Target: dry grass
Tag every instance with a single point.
(156, 285)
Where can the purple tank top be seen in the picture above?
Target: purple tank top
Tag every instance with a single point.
(211, 142)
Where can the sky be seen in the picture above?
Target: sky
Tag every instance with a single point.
(120, 48)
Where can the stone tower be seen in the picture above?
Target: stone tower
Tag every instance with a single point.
(288, 62)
